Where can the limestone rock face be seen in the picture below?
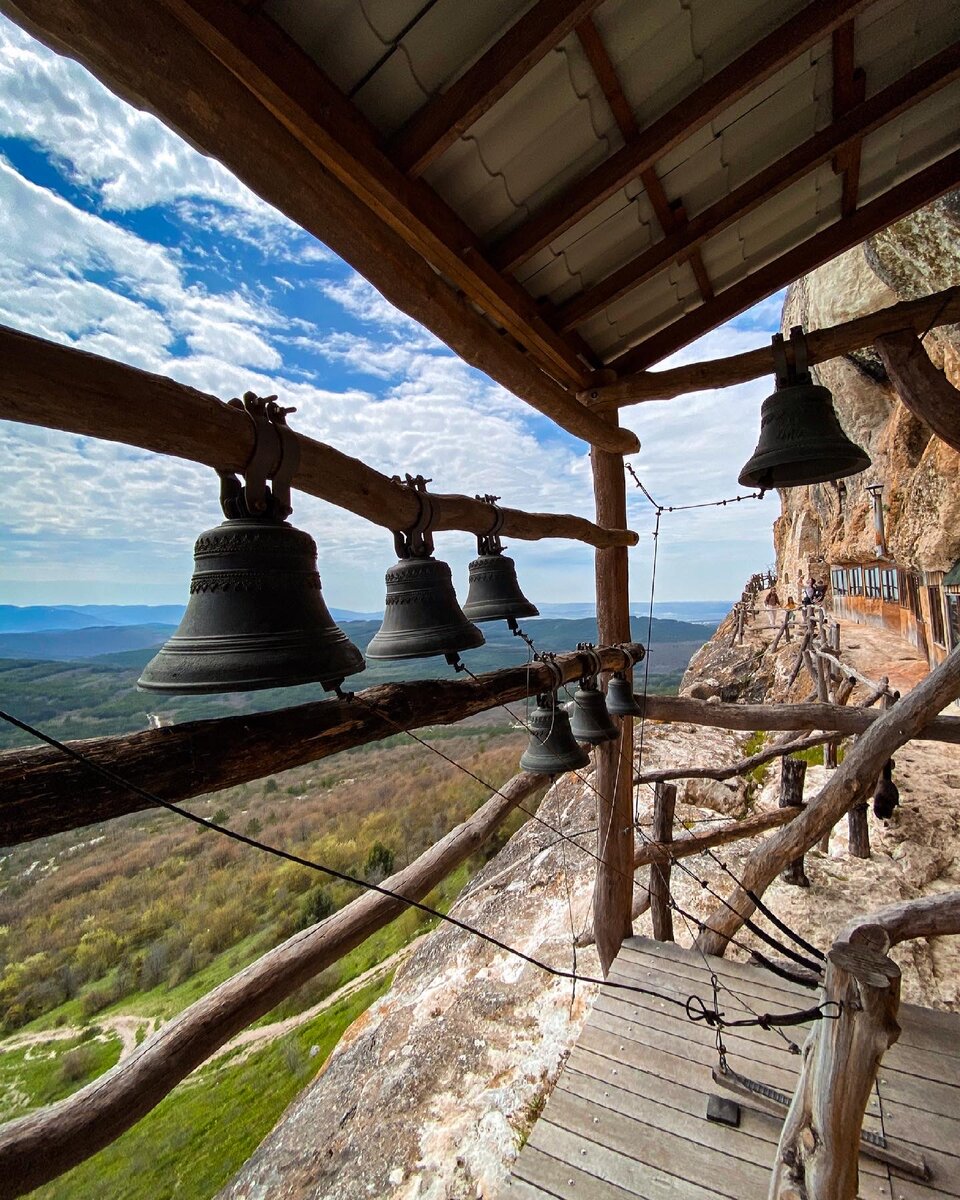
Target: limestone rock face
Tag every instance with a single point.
(914, 257)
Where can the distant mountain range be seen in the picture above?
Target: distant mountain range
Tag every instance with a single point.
(37, 618)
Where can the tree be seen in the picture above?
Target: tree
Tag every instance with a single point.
(379, 862)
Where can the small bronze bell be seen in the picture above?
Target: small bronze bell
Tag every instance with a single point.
(552, 749)
(621, 701)
(422, 616)
(256, 616)
(494, 593)
(801, 440)
(590, 721)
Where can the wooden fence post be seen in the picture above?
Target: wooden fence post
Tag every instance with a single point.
(664, 806)
(792, 773)
(819, 1145)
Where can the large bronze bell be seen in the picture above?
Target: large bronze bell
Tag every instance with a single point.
(801, 440)
(621, 701)
(552, 748)
(590, 720)
(422, 616)
(255, 618)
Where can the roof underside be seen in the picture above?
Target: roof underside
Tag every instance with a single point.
(565, 191)
(555, 126)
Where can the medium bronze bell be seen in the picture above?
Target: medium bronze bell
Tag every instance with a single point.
(621, 701)
(255, 618)
(552, 749)
(590, 721)
(422, 615)
(494, 593)
(801, 440)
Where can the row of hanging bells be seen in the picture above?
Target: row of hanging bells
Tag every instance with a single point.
(256, 616)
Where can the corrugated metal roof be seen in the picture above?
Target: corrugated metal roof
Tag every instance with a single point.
(554, 126)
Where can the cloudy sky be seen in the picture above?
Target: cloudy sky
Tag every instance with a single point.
(120, 239)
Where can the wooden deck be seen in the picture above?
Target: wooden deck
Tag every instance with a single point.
(627, 1117)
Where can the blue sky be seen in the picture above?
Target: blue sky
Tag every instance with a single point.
(120, 239)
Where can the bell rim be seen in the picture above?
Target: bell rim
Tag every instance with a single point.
(450, 643)
(475, 611)
(756, 466)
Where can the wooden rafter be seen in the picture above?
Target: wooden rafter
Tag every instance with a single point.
(215, 110)
(42, 383)
(672, 217)
(438, 124)
(919, 316)
(300, 95)
(769, 55)
(922, 188)
(923, 81)
(849, 89)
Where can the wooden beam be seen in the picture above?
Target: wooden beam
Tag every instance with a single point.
(143, 53)
(448, 115)
(682, 710)
(42, 383)
(613, 893)
(909, 718)
(813, 23)
(661, 915)
(861, 120)
(940, 308)
(925, 917)
(920, 189)
(43, 1144)
(697, 843)
(301, 96)
(849, 89)
(922, 387)
(43, 792)
(672, 218)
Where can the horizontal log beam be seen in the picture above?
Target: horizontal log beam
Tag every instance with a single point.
(144, 54)
(44, 1144)
(43, 792)
(846, 131)
(836, 717)
(769, 55)
(448, 115)
(697, 843)
(42, 383)
(940, 308)
(927, 916)
(899, 201)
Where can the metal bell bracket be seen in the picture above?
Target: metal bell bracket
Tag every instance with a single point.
(590, 650)
(489, 542)
(276, 456)
(549, 660)
(793, 369)
(417, 541)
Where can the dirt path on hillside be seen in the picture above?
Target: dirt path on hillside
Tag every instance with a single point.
(125, 1027)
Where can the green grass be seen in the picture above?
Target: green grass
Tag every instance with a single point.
(38, 1075)
(201, 1134)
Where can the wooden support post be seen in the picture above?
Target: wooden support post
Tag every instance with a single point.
(819, 1145)
(792, 773)
(858, 831)
(664, 806)
(613, 895)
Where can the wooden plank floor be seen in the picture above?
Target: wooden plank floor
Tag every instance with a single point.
(627, 1117)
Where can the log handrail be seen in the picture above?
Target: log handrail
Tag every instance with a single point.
(819, 1143)
(848, 785)
(42, 1145)
(42, 792)
(940, 308)
(57, 387)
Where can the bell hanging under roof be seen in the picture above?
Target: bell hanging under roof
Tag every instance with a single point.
(590, 720)
(494, 592)
(422, 616)
(801, 440)
(552, 749)
(621, 701)
(256, 617)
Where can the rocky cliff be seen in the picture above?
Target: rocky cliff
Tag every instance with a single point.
(912, 258)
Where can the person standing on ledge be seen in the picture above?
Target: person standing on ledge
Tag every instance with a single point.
(772, 601)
